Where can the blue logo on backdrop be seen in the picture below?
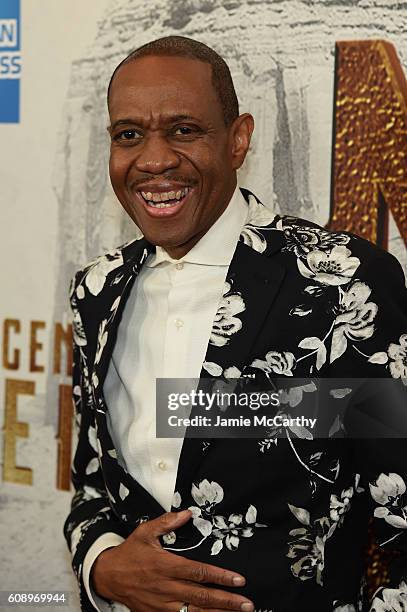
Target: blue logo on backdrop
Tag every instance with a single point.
(10, 61)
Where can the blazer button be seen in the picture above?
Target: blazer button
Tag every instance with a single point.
(162, 465)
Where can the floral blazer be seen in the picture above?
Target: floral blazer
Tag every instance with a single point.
(289, 512)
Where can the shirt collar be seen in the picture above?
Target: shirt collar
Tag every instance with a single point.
(217, 246)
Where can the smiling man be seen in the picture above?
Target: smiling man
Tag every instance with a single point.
(175, 146)
(220, 286)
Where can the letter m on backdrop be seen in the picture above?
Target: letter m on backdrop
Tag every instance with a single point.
(369, 171)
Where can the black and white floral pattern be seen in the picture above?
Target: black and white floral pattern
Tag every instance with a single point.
(391, 600)
(398, 357)
(298, 301)
(307, 547)
(226, 321)
(388, 490)
(222, 530)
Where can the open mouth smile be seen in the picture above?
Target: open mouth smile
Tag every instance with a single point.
(164, 203)
(165, 199)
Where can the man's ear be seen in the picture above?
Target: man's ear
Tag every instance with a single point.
(241, 132)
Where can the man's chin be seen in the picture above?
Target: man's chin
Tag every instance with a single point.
(165, 243)
(176, 246)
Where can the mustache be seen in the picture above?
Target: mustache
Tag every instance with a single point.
(177, 178)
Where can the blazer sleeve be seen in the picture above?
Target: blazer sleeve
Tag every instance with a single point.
(370, 342)
(91, 515)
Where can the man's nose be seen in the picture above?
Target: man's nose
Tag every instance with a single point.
(155, 155)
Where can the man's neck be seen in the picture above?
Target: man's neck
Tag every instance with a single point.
(178, 251)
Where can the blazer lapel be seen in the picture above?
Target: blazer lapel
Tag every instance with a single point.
(254, 279)
(115, 295)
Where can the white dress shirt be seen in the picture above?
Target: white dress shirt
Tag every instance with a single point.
(164, 333)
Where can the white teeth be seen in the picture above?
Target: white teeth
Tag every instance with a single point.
(158, 199)
(160, 205)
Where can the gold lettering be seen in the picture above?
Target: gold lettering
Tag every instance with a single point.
(14, 429)
(369, 155)
(14, 362)
(35, 346)
(64, 437)
(63, 337)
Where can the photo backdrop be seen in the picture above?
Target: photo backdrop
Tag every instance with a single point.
(321, 109)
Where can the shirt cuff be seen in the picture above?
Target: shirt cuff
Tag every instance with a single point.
(107, 540)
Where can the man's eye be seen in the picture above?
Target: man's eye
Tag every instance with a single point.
(127, 135)
(183, 130)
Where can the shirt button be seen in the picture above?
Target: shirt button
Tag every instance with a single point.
(162, 465)
(179, 266)
(179, 323)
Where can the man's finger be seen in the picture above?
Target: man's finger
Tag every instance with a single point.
(205, 572)
(206, 598)
(192, 608)
(163, 524)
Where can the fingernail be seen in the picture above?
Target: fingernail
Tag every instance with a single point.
(247, 607)
(238, 580)
(183, 513)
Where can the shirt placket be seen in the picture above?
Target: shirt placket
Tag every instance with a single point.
(165, 451)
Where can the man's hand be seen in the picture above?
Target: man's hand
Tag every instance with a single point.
(146, 578)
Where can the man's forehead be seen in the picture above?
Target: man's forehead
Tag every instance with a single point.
(163, 85)
(147, 69)
(143, 110)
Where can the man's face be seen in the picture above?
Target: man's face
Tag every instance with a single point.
(173, 161)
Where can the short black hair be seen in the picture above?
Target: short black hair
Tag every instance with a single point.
(187, 47)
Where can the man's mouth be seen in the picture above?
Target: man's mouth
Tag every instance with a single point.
(165, 199)
(164, 204)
